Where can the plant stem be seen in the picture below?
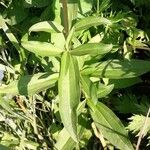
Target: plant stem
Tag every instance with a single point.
(98, 6)
(65, 16)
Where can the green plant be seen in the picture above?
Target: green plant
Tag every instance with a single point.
(69, 60)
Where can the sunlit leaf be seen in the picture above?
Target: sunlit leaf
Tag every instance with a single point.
(69, 93)
(42, 48)
(46, 26)
(91, 21)
(30, 84)
(91, 49)
(104, 90)
(118, 69)
(110, 126)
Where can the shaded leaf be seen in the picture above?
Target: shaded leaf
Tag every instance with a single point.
(118, 69)
(91, 48)
(123, 83)
(110, 126)
(30, 84)
(42, 48)
(69, 93)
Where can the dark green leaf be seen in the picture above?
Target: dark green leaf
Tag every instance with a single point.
(123, 83)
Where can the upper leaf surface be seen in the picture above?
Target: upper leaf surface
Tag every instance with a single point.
(116, 69)
(42, 48)
(110, 126)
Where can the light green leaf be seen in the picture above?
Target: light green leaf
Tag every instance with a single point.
(85, 6)
(91, 49)
(42, 48)
(65, 142)
(46, 26)
(91, 21)
(118, 69)
(110, 126)
(104, 90)
(89, 88)
(69, 93)
(30, 84)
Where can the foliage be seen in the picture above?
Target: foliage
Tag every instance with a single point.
(67, 71)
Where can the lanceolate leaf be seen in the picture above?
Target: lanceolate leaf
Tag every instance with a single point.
(116, 69)
(42, 48)
(69, 93)
(110, 126)
(104, 90)
(30, 84)
(46, 26)
(91, 21)
(92, 48)
(123, 83)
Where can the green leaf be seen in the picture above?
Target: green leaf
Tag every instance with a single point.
(118, 69)
(69, 93)
(30, 84)
(89, 88)
(42, 48)
(16, 12)
(85, 6)
(46, 26)
(65, 142)
(109, 125)
(123, 83)
(91, 21)
(104, 90)
(91, 49)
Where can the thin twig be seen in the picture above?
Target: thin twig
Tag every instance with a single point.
(142, 130)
